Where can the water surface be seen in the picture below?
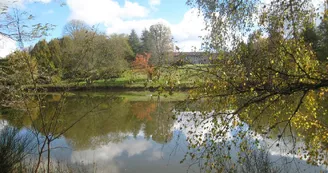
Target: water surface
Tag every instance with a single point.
(125, 134)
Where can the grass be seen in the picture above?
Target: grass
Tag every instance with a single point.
(137, 95)
(178, 78)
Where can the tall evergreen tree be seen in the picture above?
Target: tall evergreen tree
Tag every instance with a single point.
(323, 42)
(55, 52)
(311, 37)
(42, 54)
(146, 42)
(134, 42)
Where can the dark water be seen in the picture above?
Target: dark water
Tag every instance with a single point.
(124, 134)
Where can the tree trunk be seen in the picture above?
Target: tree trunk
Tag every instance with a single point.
(49, 156)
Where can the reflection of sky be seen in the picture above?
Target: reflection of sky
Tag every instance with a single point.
(132, 155)
(105, 156)
(3, 124)
(139, 155)
(110, 151)
(277, 154)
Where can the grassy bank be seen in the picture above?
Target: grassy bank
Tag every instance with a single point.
(178, 79)
(136, 95)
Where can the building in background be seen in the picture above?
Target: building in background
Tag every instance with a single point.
(192, 57)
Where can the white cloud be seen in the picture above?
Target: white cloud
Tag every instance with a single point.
(43, 1)
(105, 11)
(19, 3)
(110, 151)
(156, 155)
(186, 33)
(154, 2)
(105, 156)
(7, 46)
(121, 26)
(123, 18)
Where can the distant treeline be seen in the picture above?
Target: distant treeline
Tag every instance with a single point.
(83, 54)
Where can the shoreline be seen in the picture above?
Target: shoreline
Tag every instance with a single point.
(57, 88)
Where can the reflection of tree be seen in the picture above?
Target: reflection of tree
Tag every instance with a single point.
(271, 118)
(16, 116)
(143, 110)
(111, 121)
(273, 81)
(160, 127)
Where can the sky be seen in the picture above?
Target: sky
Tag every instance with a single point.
(120, 16)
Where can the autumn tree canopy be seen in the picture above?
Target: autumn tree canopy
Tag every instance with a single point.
(141, 63)
(273, 82)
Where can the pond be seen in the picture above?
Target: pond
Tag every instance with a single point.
(130, 132)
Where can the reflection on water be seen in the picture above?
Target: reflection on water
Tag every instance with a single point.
(120, 135)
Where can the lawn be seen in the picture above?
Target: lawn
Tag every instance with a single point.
(136, 95)
(170, 77)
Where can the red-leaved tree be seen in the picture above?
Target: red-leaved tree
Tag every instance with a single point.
(141, 63)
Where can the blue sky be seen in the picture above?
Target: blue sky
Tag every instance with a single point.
(52, 12)
(120, 16)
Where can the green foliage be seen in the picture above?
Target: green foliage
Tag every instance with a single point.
(146, 42)
(111, 56)
(162, 45)
(323, 42)
(112, 117)
(317, 38)
(24, 68)
(73, 27)
(6, 92)
(134, 42)
(88, 56)
(67, 49)
(121, 50)
(274, 82)
(56, 53)
(13, 148)
(46, 66)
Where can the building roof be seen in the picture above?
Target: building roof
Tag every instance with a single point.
(189, 53)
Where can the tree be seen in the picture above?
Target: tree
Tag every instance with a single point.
(18, 25)
(55, 52)
(272, 83)
(141, 63)
(311, 37)
(323, 42)
(42, 54)
(146, 42)
(134, 42)
(75, 26)
(67, 47)
(110, 56)
(120, 47)
(162, 46)
(24, 67)
(26, 70)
